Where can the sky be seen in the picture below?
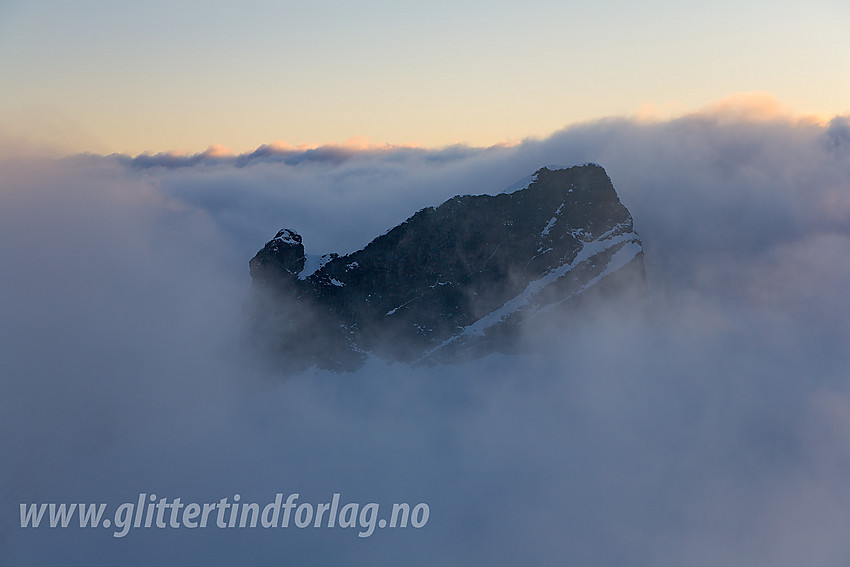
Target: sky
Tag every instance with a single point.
(149, 150)
(160, 76)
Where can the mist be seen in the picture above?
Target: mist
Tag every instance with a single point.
(711, 427)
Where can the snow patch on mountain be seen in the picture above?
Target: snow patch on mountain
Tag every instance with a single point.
(630, 247)
(313, 263)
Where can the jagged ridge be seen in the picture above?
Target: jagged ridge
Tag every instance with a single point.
(458, 278)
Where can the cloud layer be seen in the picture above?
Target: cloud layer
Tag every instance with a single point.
(710, 429)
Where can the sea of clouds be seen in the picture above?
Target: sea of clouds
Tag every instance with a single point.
(710, 428)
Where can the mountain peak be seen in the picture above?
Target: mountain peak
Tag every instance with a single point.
(450, 281)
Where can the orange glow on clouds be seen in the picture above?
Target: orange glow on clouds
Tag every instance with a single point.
(738, 107)
(748, 107)
(356, 143)
(218, 150)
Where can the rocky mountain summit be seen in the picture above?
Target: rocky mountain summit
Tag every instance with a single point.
(461, 279)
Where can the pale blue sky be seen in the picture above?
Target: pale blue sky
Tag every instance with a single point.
(159, 76)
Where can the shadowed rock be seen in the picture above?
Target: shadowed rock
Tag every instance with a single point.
(456, 280)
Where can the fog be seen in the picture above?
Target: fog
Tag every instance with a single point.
(711, 427)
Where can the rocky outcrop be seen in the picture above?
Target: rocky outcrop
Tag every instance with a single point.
(460, 279)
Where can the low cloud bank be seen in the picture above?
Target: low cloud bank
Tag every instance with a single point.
(711, 429)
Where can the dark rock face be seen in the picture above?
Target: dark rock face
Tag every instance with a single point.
(450, 281)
